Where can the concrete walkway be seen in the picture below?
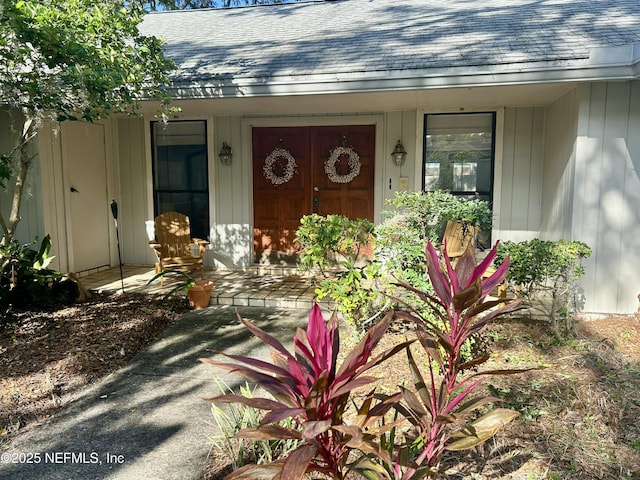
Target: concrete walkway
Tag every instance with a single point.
(148, 420)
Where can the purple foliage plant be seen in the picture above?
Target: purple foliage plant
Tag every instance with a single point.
(309, 387)
(442, 408)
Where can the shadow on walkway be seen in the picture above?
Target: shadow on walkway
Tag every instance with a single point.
(149, 419)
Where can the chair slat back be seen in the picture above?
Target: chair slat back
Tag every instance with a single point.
(456, 239)
(173, 233)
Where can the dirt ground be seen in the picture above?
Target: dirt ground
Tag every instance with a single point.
(578, 413)
(48, 355)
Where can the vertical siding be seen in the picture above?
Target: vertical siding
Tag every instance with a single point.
(521, 175)
(400, 126)
(629, 279)
(608, 157)
(32, 223)
(561, 123)
(133, 204)
(231, 236)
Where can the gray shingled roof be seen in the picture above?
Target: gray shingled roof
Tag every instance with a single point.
(376, 39)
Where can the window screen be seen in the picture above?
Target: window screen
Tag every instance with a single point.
(180, 172)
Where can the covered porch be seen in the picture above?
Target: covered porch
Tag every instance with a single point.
(254, 287)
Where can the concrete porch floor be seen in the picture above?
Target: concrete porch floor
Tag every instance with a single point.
(256, 287)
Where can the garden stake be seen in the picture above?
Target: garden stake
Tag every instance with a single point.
(114, 212)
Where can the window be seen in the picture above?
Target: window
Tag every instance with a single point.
(459, 152)
(180, 172)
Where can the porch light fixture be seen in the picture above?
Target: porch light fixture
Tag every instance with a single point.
(399, 154)
(225, 154)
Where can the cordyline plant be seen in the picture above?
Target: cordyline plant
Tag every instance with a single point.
(441, 408)
(308, 387)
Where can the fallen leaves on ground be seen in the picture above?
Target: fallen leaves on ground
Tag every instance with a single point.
(48, 355)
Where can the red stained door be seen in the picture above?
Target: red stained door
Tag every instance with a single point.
(300, 170)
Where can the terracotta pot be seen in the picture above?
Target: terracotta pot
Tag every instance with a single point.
(200, 294)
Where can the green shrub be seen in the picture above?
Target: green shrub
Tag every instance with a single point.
(420, 218)
(332, 240)
(538, 267)
(237, 417)
(428, 212)
(26, 280)
(333, 247)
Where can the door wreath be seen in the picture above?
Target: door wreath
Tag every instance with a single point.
(354, 165)
(289, 169)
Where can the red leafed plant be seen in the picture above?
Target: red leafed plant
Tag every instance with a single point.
(309, 387)
(441, 406)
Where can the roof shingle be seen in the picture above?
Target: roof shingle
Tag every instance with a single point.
(298, 40)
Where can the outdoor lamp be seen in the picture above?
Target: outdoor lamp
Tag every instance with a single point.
(399, 154)
(225, 154)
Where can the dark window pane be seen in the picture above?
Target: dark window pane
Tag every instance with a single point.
(459, 153)
(180, 172)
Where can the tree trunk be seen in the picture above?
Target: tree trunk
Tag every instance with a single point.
(24, 163)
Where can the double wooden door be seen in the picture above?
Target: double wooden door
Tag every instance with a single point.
(302, 170)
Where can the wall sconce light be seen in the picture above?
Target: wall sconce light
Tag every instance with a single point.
(225, 154)
(399, 154)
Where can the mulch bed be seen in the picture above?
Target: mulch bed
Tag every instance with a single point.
(47, 355)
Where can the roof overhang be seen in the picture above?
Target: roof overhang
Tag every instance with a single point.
(447, 88)
(610, 63)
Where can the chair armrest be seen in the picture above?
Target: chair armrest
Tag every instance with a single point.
(201, 244)
(153, 244)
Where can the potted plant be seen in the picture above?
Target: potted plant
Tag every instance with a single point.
(198, 291)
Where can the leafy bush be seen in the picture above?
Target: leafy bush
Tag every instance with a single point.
(538, 267)
(428, 212)
(421, 218)
(26, 280)
(332, 240)
(334, 247)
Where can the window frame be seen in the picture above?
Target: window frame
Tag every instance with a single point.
(488, 194)
(205, 193)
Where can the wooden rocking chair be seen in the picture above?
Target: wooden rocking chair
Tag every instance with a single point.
(173, 245)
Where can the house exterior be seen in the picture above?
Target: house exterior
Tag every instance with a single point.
(531, 104)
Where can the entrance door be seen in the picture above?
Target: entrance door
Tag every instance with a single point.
(84, 151)
(301, 170)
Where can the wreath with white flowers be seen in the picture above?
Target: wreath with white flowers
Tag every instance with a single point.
(354, 165)
(289, 169)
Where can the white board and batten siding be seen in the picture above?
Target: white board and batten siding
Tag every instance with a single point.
(231, 236)
(561, 125)
(518, 211)
(136, 184)
(32, 221)
(606, 212)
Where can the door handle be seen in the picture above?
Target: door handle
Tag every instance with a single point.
(74, 190)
